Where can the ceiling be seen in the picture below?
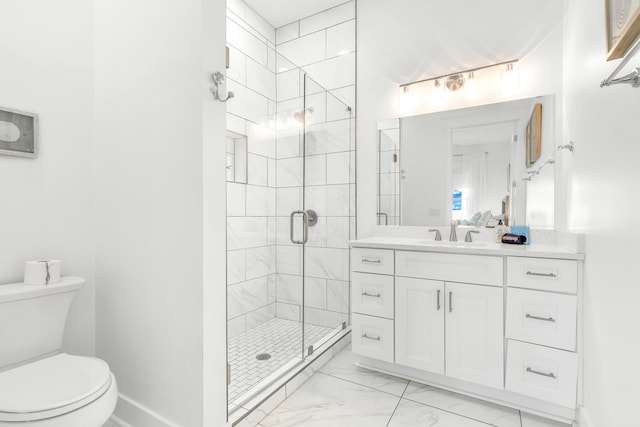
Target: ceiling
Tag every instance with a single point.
(282, 12)
(417, 39)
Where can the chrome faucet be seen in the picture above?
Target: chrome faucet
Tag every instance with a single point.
(468, 238)
(453, 236)
(438, 235)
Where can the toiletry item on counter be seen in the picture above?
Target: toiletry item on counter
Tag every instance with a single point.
(514, 239)
(500, 231)
(522, 230)
(42, 272)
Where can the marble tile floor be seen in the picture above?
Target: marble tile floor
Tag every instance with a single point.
(342, 394)
(279, 338)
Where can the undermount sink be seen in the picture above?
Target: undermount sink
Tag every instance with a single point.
(457, 244)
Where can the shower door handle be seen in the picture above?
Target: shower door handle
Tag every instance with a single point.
(305, 229)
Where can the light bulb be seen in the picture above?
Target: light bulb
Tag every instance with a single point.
(438, 93)
(471, 85)
(409, 99)
(509, 79)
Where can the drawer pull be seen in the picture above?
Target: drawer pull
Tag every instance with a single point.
(370, 338)
(438, 300)
(450, 302)
(367, 294)
(371, 261)
(533, 273)
(544, 319)
(549, 375)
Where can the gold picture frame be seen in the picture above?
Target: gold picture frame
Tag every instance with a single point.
(623, 26)
(534, 136)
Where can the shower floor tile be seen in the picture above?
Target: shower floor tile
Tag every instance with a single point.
(279, 338)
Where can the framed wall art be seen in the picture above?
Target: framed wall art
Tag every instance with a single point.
(623, 26)
(18, 133)
(534, 136)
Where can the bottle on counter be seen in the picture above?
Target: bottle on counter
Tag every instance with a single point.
(500, 231)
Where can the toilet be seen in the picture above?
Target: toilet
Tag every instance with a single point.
(39, 385)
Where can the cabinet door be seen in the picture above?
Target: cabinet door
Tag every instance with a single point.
(474, 330)
(419, 327)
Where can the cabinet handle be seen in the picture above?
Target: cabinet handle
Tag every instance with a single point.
(370, 338)
(533, 273)
(549, 375)
(450, 303)
(371, 261)
(544, 319)
(438, 300)
(367, 294)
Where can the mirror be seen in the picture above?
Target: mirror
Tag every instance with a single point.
(464, 164)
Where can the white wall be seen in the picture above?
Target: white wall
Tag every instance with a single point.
(45, 203)
(159, 147)
(603, 203)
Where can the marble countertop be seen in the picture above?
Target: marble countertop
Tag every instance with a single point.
(474, 248)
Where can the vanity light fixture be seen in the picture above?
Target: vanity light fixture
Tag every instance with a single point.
(467, 80)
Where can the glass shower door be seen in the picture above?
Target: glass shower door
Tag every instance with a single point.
(329, 208)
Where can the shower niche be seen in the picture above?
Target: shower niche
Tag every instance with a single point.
(236, 157)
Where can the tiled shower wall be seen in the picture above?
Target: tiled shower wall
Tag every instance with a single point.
(323, 46)
(251, 206)
(264, 267)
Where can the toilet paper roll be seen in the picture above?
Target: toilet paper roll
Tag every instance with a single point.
(41, 272)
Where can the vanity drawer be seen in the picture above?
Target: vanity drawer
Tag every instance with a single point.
(542, 318)
(372, 337)
(372, 294)
(368, 260)
(483, 270)
(557, 275)
(542, 373)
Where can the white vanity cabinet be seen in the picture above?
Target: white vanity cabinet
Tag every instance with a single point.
(474, 334)
(541, 329)
(372, 303)
(419, 324)
(499, 327)
(452, 325)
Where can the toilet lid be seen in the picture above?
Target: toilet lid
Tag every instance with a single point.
(51, 385)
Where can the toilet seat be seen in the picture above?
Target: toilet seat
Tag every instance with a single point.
(51, 387)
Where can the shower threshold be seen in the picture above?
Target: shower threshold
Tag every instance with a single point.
(265, 387)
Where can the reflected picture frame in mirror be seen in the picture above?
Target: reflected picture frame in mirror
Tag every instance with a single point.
(534, 135)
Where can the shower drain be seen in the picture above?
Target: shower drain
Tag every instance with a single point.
(263, 356)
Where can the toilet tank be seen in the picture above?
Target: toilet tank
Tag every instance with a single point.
(32, 318)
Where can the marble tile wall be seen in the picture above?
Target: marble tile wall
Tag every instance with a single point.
(267, 68)
(251, 205)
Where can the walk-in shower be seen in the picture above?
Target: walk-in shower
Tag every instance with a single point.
(288, 268)
(290, 192)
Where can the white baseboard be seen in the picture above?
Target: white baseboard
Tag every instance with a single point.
(584, 420)
(130, 413)
(119, 422)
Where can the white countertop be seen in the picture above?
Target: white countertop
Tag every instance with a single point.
(474, 248)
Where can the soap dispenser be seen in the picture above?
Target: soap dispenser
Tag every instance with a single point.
(500, 230)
